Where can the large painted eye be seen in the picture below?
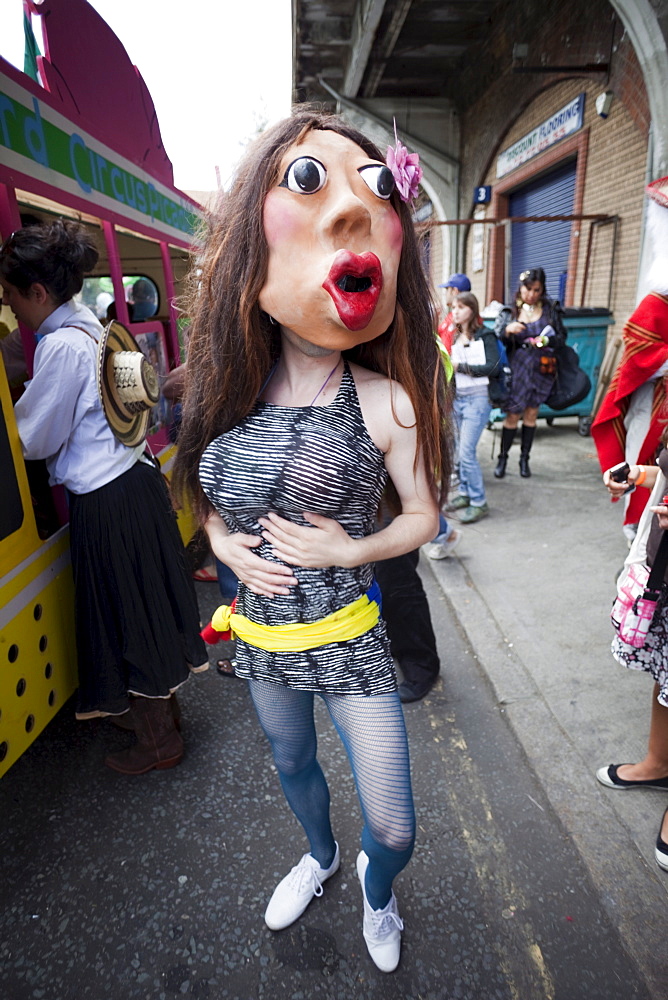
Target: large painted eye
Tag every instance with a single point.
(379, 179)
(304, 176)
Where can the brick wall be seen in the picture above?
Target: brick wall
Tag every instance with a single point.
(626, 80)
(499, 106)
(610, 180)
(490, 96)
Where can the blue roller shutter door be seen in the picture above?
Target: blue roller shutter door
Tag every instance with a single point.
(543, 244)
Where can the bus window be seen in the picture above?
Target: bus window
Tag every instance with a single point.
(143, 297)
(141, 294)
(11, 508)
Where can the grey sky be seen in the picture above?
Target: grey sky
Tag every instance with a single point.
(215, 70)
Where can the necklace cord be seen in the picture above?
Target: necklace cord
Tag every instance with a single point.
(325, 383)
(318, 393)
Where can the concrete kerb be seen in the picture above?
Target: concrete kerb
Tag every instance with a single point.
(632, 893)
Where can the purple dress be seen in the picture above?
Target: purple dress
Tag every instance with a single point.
(530, 385)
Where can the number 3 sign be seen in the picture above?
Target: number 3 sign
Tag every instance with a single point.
(482, 195)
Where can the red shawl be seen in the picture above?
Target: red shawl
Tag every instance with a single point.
(645, 350)
(447, 331)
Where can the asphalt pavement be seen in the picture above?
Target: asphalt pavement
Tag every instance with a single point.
(529, 880)
(532, 586)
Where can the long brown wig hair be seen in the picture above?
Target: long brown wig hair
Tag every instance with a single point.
(233, 344)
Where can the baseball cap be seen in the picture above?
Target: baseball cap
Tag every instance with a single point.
(458, 281)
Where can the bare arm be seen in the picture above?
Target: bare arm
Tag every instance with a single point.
(174, 383)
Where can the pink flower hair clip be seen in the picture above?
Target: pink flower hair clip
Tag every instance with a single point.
(405, 168)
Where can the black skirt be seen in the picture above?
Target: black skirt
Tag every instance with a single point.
(137, 622)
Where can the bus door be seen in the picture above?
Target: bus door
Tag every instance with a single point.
(37, 647)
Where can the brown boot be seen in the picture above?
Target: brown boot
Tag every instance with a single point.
(158, 745)
(176, 711)
(126, 721)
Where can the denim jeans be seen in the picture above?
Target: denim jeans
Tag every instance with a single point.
(227, 581)
(445, 529)
(471, 416)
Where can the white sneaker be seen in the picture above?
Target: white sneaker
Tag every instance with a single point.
(381, 928)
(293, 893)
(441, 549)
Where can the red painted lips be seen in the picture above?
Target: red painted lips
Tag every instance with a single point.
(355, 282)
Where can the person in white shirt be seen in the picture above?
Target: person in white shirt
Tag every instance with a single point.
(137, 622)
(475, 359)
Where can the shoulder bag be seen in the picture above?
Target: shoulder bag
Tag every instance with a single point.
(638, 591)
(500, 383)
(571, 383)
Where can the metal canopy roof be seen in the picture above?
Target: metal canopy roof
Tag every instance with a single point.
(384, 48)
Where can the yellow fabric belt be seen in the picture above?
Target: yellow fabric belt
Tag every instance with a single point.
(347, 623)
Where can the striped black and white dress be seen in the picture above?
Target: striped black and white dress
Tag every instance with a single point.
(291, 459)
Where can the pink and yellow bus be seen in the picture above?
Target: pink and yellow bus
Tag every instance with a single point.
(81, 141)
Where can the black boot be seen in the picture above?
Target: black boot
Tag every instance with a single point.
(527, 441)
(507, 438)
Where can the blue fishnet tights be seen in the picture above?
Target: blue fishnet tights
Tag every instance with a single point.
(374, 736)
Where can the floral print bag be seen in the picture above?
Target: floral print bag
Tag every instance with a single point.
(638, 591)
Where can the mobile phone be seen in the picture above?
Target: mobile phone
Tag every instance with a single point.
(620, 473)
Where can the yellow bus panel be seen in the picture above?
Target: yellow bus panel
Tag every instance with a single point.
(25, 540)
(38, 667)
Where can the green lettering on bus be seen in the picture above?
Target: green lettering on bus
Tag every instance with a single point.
(29, 134)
